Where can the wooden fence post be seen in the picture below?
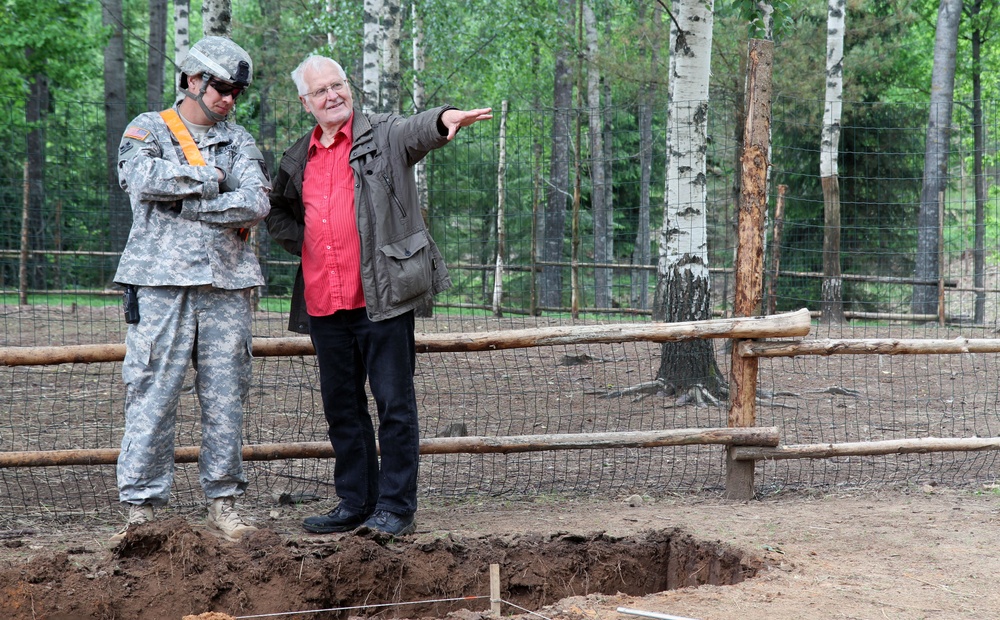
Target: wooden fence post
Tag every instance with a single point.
(749, 270)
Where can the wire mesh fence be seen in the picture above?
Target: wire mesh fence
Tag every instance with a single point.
(57, 260)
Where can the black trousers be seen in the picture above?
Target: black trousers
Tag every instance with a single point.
(351, 348)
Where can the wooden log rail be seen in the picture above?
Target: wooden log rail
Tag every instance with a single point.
(758, 436)
(869, 346)
(790, 324)
(920, 445)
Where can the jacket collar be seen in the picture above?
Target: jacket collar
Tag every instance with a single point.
(363, 143)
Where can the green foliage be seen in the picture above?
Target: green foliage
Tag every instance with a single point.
(756, 28)
(880, 172)
(49, 37)
(480, 53)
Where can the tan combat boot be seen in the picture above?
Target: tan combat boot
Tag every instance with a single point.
(224, 520)
(137, 515)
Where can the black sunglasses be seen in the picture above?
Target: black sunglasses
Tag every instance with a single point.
(225, 89)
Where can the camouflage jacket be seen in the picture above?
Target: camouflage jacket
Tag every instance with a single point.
(184, 231)
(401, 266)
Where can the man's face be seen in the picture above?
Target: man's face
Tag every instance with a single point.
(215, 100)
(328, 97)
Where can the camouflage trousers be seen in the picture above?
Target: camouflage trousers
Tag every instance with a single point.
(208, 328)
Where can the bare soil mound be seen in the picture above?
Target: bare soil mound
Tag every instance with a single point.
(168, 569)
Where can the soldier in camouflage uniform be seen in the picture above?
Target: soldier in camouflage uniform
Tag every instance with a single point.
(193, 271)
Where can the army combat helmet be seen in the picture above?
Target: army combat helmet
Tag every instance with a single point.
(219, 58)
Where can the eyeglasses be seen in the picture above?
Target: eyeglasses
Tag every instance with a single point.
(225, 89)
(332, 88)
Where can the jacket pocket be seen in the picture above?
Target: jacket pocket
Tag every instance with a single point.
(408, 265)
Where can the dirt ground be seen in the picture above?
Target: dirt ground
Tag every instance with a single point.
(914, 553)
(899, 541)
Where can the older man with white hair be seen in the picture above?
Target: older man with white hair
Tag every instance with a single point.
(345, 201)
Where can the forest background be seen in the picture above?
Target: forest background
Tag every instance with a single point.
(606, 61)
(603, 112)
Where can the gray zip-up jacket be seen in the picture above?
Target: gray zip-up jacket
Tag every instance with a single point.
(401, 265)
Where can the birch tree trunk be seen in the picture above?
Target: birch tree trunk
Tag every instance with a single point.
(831, 304)
(602, 231)
(608, 149)
(417, 35)
(157, 50)
(426, 309)
(501, 254)
(391, 74)
(182, 37)
(372, 56)
(683, 291)
(928, 267)
(979, 149)
(558, 182)
(418, 97)
(216, 18)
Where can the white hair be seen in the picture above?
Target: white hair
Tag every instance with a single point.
(314, 61)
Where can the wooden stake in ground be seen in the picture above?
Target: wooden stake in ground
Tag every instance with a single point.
(495, 589)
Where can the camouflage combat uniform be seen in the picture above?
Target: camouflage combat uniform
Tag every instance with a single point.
(194, 274)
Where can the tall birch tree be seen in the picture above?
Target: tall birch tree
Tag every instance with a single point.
(389, 81)
(216, 18)
(417, 36)
(831, 305)
(928, 267)
(371, 71)
(419, 101)
(683, 291)
(602, 215)
(182, 36)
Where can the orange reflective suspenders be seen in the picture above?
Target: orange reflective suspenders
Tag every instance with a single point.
(191, 152)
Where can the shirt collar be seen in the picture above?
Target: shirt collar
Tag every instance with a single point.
(346, 129)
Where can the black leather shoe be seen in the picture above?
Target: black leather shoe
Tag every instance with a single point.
(339, 519)
(388, 524)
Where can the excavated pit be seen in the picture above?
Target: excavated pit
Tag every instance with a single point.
(166, 569)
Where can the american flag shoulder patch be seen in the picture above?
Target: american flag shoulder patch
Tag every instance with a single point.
(137, 133)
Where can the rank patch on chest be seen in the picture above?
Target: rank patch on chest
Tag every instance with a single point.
(137, 133)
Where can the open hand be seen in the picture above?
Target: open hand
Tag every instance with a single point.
(456, 119)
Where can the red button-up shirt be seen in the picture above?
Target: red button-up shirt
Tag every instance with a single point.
(331, 250)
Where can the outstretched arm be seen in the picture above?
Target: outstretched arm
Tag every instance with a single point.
(454, 120)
